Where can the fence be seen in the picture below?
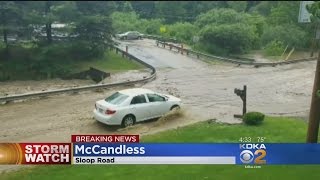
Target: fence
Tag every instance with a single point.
(190, 52)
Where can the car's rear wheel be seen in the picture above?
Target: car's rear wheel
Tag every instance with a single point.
(174, 108)
(128, 120)
(140, 37)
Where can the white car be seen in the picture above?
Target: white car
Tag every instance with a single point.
(129, 106)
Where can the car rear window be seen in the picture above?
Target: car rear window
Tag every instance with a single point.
(116, 98)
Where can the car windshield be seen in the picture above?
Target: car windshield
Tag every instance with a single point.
(116, 98)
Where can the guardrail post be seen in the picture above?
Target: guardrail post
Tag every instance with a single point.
(116, 50)
(198, 56)
(126, 49)
(181, 48)
(170, 46)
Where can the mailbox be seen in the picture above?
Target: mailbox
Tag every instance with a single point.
(243, 96)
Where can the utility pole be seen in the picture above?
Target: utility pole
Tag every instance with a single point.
(314, 117)
(305, 13)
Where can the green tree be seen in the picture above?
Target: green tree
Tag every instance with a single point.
(291, 35)
(127, 7)
(93, 27)
(264, 7)
(151, 26)
(10, 16)
(274, 48)
(122, 22)
(286, 12)
(145, 9)
(228, 31)
(41, 17)
(239, 6)
(314, 10)
(228, 38)
(182, 31)
(171, 11)
(219, 16)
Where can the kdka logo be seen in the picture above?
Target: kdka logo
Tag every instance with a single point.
(255, 153)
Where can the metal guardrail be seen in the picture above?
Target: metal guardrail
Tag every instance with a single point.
(235, 61)
(89, 87)
(161, 38)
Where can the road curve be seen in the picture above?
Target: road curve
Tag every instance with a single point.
(208, 88)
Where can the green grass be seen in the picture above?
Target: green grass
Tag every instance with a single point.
(275, 129)
(111, 62)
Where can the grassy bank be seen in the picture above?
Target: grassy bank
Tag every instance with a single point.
(26, 63)
(275, 129)
(111, 62)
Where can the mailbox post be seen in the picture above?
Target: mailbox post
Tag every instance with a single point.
(181, 48)
(243, 96)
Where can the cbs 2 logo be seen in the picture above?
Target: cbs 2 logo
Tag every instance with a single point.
(246, 156)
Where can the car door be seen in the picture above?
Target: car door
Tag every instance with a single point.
(130, 35)
(139, 107)
(135, 35)
(158, 105)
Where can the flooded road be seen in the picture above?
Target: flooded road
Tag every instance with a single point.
(209, 88)
(207, 91)
(29, 86)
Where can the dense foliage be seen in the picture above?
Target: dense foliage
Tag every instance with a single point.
(224, 27)
(49, 31)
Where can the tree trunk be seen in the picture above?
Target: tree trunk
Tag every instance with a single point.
(48, 32)
(48, 25)
(5, 40)
(4, 30)
(314, 116)
(5, 37)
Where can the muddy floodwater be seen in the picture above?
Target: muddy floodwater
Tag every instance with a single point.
(21, 87)
(207, 92)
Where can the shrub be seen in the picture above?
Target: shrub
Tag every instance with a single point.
(253, 118)
(274, 48)
(182, 31)
(290, 35)
(232, 38)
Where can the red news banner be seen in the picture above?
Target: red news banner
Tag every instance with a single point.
(105, 138)
(54, 153)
